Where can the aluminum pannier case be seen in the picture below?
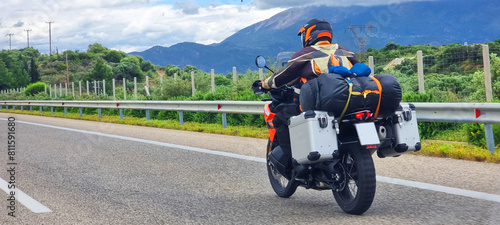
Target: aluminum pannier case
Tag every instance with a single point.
(313, 137)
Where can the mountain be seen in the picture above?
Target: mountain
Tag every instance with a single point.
(413, 23)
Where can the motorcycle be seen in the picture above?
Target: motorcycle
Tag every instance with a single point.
(335, 153)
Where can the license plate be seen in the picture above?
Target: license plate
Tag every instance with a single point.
(367, 133)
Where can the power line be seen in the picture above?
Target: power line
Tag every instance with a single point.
(28, 36)
(10, 40)
(50, 37)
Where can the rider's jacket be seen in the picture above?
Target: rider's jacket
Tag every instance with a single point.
(309, 63)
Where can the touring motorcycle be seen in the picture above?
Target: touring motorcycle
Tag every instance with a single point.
(335, 152)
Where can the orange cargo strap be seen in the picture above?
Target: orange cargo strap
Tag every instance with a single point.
(303, 79)
(379, 94)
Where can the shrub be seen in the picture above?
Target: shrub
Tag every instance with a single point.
(35, 88)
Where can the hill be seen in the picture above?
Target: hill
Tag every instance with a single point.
(412, 23)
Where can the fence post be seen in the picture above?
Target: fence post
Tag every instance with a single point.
(60, 90)
(80, 87)
(50, 90)
(488, 128)
(135, 87)
(261, 74)
(234, 74)
(88, 88)
(193, 90)
(104, 87)
(73, 88)
(114, 92)
(371, 65)
(55, 90)
(124, 90)
(95, 87)
(212, 78)
(420, 69)
(66, 88)
(175, 76)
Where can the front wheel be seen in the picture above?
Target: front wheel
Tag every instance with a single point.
(281, 185)
(355, 190)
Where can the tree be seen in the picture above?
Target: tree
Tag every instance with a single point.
(5, 76)
(101, 71)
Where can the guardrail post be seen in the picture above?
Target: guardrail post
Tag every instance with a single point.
(224, 120)
(81, 112)
(99, 112)
(41, 110)
(22, 108)
(7, 107)
(13, 108)
(193, 89)
(490, 141)
(371, 65)
(420, 70)
(121, 114)
(65, 110)
(147, 114)
(52, 110)
(31, 108)
(181, 118)
(135, 87)
(1, 106)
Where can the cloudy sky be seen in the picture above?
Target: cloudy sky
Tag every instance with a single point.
(136, 25)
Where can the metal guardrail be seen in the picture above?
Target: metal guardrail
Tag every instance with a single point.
(485, 113)
(428, 112)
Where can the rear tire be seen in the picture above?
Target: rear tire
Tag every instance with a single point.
(357, 190)
(281, 185)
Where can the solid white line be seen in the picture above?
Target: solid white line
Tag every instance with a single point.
(24, 199)
(414, 184)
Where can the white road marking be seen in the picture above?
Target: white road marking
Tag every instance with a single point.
(24, 199)
(414, 184)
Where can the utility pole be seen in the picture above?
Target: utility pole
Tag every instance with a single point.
(50, 37)
(10, 40)
(28, 36)
(361, 41)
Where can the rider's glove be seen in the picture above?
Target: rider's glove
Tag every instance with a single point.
(257, 88)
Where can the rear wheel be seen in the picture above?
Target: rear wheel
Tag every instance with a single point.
(355, 190)
(282, 186)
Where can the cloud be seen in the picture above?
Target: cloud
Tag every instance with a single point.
(268, 4)
(18, 24)
(126, 25)
(188, 7)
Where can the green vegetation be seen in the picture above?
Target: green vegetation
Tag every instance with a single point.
(453, 73)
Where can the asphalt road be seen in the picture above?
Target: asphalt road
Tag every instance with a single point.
(99, 173)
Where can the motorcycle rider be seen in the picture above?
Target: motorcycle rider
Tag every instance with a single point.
(316, 57)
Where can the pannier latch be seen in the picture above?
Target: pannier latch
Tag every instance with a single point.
(323, 121)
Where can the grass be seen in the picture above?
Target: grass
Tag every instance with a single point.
(450, 144)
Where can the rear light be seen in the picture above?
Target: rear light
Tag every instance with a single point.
(371, 146)
(360, 115)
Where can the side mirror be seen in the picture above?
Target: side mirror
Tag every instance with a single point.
(260, 61)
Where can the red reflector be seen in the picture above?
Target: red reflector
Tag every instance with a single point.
(117, 104)
(477, 112)
(371, 146)
(368, 114)
(218, 106)
(360, 114)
